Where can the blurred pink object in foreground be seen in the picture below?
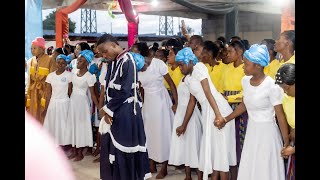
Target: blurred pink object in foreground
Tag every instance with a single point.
(43, 160)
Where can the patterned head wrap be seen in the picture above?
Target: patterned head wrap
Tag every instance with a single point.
(138, 59)
(186, 55)
(87, 54)
(62, 56)
(258, 54)
(69, 58)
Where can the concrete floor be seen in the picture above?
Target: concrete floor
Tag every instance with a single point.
(87, 170)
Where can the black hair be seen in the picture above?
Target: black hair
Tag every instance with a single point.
(246, 44)
(175, 44)
(61, 51)
(155, 47)
(222, 39)
(212, 47)
(143, 48)
(163, 52)
(163, 43)
(107, 38)
(220, 44)
(238, 44)
(69, 47)
(181, 40)
(84, 46)
(291, 36)
(92, 47)
(286, 74)
(198, 39)
(49, 50)
(270, 45)
(237, 38)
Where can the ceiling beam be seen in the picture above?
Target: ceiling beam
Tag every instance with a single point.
(183, 14)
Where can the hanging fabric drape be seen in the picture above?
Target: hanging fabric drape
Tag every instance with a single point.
(132, 18)
(62, 23)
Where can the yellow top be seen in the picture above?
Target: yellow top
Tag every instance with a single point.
(175, 75)
(231, 81)
(291, 60)
(288, 103)
(215, 74)
(272, 68)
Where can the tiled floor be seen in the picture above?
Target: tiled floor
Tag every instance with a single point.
(87, 170)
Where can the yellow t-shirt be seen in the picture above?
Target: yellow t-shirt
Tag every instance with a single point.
(231, 81)
(215, 74)
(288, 104)
(175, 75)
(291, 60)
(272, 68)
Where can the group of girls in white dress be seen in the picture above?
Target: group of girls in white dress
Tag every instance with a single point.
(195, 129)
(68, 116)
(206, 140)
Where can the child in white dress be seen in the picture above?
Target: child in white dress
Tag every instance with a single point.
(79, 117)
(157, 109)
(217, 150)
(262, 99)
(184, 149)
(57, 100)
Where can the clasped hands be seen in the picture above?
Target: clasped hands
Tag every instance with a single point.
(220, 122)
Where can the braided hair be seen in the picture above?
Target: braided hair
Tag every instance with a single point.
(286, 74)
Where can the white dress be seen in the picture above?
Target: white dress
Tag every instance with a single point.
(103, 72)
(79, 117)
(156, 111)
(74, 64)
(218, 147)
(260, 158)
(102, 76)
(96, 120)
(185, 149)
(57, 113)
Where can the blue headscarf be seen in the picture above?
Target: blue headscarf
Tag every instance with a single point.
(186, 55)
(62, 56)
(138, 59)
(69, 58)
(258, 54)
(87, 54)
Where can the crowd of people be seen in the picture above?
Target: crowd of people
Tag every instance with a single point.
(224, 109)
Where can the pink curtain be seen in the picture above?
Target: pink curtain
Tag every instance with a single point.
(132, 18)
